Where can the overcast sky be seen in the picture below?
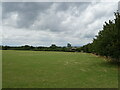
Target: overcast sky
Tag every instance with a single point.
(43, 24)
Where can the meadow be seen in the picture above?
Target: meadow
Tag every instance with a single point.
(43, 69)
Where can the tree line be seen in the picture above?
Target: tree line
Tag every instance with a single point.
(107, 42)
(53, 47)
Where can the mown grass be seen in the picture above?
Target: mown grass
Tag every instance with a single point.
(42, 69)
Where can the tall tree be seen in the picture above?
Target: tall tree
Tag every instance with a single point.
(107, 42)
(69, 45)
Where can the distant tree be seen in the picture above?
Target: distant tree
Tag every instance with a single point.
(26, 47)
(69, 45)
(5, 47)
(53, 46)
(0, 47)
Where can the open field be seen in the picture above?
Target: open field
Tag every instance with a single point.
(42, 69)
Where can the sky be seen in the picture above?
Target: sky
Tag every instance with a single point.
(46, 23)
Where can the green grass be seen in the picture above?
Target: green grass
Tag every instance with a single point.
(42, 69)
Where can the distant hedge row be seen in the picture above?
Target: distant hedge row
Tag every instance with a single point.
(107, 42)
(53, 47)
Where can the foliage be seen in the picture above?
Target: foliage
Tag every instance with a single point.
(69, 45)
(107, 42)
(53, 47)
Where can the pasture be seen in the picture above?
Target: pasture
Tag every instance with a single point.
(43, 69)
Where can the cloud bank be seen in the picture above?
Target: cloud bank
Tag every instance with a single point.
(45, 23)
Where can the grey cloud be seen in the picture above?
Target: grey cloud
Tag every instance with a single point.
(23, 7)
(27, 11)
(89, 35)
(119, 6)
(64, 6)
(53, 20)
(59, 23)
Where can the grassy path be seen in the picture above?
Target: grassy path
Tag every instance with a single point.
(40, 69)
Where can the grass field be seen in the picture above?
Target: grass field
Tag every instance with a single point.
(42, 69)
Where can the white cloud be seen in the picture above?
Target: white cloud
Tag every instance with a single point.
(74, 25)
(12, 19)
